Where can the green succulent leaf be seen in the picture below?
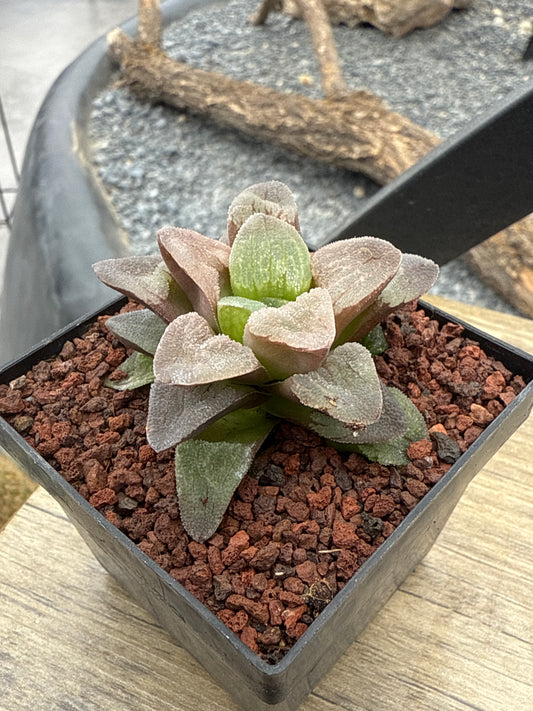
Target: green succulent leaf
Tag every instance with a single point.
(269, 198)
(243, 425)
(269, 259)
(139, 371)
(346, 387)
(146, 280)
(294, 338)
(208, 470)
(391, 424)
(233, 312)
(177, 413)
(140, 330)
(415, 277)
(394, 452)
(354, 271)
(375, 341)
(189, 353)
(199, 265)
(276, 303)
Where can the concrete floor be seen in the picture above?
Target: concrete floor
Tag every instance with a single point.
(38, 39)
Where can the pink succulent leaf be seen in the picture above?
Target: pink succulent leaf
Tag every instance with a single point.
(141, 330)
(354, 271)
(177, 412)
(146, 280)
(346, 387)
(294, 338)
(199, 265)
(415, 277)
(270, 198)
(189, 353)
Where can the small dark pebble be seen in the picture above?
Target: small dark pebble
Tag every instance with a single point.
(271, 476)
(447, 448)
(343, 479)
(371, 525)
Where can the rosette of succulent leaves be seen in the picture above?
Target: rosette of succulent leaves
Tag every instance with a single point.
(242, 332)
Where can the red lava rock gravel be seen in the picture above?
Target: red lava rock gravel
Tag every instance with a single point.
(304, 520)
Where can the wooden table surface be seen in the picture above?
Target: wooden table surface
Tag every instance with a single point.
(458, 634)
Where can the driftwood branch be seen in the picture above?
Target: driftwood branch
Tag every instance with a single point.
(394, 17)
(353, 130)
(505, 261)
(358, 132)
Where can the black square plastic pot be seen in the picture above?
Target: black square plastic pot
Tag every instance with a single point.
(254, 684)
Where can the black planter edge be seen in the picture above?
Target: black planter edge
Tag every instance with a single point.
(60, 200)
(272, 684)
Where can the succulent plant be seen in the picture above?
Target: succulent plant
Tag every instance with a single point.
(240, 333)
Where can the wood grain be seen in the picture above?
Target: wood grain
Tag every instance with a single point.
(457, 635)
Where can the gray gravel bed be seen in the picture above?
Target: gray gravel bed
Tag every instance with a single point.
(161, 166)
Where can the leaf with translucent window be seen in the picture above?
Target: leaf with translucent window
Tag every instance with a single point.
(294, 338)
(208, 470)
(390, 425)
(394, 452)
(189, 353)
(269, 198)
(415, 277)
(354, 271)
(269, 259)
(346, 387)
(177, 413)
(199, 265)
(146, 280)
(375, 340)
(233, 313)
(140, 330)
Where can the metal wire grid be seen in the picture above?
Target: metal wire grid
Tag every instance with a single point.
(11, 190)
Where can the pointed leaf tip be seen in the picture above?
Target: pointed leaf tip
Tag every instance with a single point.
(139, 371)
(394, 452)
(141, 330)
